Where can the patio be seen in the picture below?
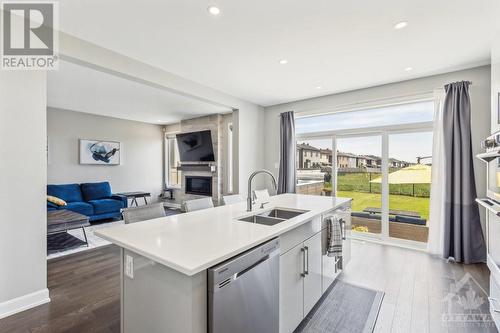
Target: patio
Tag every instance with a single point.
(400, 230)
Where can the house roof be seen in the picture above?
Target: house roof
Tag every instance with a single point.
(328, 151)
(372, 157)
(346, 154)
(307, 146)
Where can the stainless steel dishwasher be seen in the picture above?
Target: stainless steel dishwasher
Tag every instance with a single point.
(243, 292)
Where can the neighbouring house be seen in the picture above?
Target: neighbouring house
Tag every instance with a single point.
(326, 156)
(308, 157)
(360, 162)
(397, 164)
(346, 160)
(372, 161)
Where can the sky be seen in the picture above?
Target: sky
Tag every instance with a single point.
(398, 114)
(404, 147)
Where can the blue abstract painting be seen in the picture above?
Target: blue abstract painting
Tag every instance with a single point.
(99, 152)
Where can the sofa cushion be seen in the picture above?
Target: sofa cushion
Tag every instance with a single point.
(80, 207)
(96, 191)
(66, 192)
(103, 206)
(56, 201)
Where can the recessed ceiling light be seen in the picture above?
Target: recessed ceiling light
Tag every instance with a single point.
(213, 10)
(408, 69)
(283, 61)
(401, 25)
(319, 87)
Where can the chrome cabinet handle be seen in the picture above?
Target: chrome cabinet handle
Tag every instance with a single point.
(307, 255)
(303, 250)
(492, 301)
(342, 228)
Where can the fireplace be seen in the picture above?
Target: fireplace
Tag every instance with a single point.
(199, 185)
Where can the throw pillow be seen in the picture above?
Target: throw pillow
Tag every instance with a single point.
(56, 200)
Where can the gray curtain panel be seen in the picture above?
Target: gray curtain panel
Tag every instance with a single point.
(287, 172)
(463, 236)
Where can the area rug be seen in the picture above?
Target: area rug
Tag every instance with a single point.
(94, 241)
(344, 308)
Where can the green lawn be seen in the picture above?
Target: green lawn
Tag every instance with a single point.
(400, 202)
(366, 194)
(360, 182)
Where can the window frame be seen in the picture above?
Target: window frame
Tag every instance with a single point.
(230, 164)
(383, 132)
(168, 163)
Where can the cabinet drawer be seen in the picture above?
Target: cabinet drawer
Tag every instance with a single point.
(298, 235)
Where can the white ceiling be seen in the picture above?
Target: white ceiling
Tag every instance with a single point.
(77, 88)
(339, 45)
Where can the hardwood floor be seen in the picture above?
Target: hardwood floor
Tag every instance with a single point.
(414, 283)
(84, 289)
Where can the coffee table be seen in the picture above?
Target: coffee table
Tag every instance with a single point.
(58, 224)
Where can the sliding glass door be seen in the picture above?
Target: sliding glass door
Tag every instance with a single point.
(381, 158)
(359, 165)
(409, 185)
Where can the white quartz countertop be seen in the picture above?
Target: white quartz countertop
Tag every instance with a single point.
(192, 242)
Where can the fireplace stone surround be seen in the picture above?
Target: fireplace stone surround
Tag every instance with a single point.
(216, 170)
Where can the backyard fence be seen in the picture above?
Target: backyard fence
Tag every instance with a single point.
(360, 182)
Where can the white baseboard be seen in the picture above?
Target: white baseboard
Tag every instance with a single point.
(25, 302)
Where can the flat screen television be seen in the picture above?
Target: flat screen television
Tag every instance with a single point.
(195, 146)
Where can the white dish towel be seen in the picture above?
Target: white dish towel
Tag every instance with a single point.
(334, 238)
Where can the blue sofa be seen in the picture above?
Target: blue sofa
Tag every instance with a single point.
(94, 200)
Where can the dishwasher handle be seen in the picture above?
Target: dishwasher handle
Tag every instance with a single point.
(239, 274)
(231, 269)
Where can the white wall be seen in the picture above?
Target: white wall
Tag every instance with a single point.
(141, 167)
(480, 100)
(23, 172)
(251, 147)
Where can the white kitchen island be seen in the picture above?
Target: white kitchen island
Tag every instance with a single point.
(165, 261)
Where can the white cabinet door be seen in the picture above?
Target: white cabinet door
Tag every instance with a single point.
(291, 289)
(312, 280)
(328, 269)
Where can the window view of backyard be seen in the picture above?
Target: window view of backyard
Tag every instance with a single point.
(359, 177)
(314, 167)
(358, 167)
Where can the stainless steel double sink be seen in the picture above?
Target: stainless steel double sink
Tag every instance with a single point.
(274, 216)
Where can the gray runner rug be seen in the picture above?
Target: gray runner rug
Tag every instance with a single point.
(344, 308)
